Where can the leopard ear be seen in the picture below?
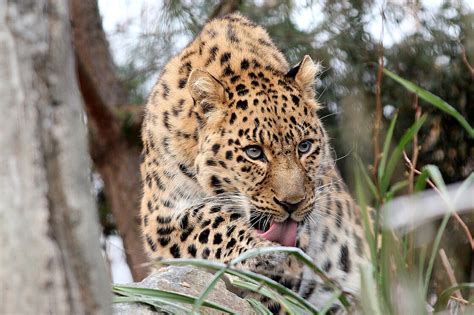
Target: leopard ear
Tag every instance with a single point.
(206, 90)
(304, 74)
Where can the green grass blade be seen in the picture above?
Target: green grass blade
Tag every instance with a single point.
(248, 275)
(388, 249)
(274, 249)
(157, 303)
(433, 100)
(397, 153)
(258, 288)
(258, 307)
(243, 274)
(369, 294)
(443, 299)
(370, 237)
(435, 175)
(421, 180)
(168, 295)
(249, 254)
(396, 188)
(386, 148)
(437, 178)
(421, 261)
(330, 303)
(300, 255)
(207, 290)
(368, 180)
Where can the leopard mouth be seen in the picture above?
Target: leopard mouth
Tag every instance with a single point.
(284, 232)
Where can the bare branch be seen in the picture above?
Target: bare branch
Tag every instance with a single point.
(115, 159)
(449, 272)
(224, 8)
(416, 149)
(466, 62)
(92, 49)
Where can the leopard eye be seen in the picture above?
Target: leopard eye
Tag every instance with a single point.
(304, 146)
(254, 152)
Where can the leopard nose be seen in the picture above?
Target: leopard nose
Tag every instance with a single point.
(290, 205)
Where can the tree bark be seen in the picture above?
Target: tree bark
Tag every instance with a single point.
(115, 158)
(50, 257)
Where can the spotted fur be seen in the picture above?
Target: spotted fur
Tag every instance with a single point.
(205, 197)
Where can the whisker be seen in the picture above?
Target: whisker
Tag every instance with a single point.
(329, 115)
(344, 156)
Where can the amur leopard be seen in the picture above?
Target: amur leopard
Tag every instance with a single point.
(235, 158)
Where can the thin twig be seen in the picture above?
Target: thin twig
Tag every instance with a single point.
(462, 301)
(465, 229)
(417, 172)
(411, 179)
(449, 272)
(224, 8)
(414, 157)
(466, 62)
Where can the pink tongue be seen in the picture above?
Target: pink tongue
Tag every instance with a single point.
(283, 233)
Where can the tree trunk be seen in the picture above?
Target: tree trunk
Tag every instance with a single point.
(116, 159)
(50, 256)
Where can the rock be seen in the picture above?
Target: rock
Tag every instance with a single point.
(186, 280)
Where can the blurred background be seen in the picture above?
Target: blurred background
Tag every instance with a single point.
(75, 79)
(426, 42)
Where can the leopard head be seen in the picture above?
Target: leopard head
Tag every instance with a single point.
(260, 137)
